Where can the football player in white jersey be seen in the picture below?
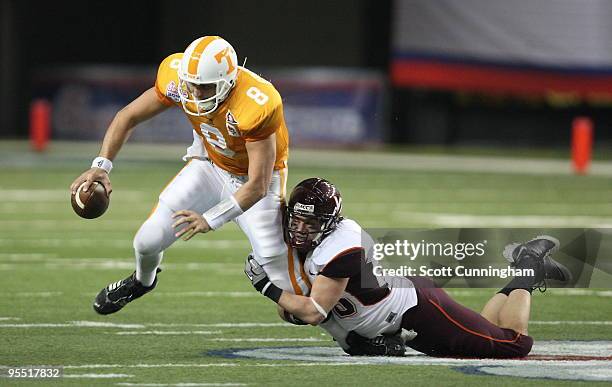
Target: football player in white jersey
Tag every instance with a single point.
(366, 314)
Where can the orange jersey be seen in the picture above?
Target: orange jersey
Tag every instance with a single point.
(252, 111)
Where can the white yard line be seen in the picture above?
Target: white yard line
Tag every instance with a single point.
(184, 384)
(252, 294)
(118, 243)
(569, 322)
(98, 324)
(571, 292)
(168, 333)
(36, 294)
(97, 376)
(467, 220)
(95, 324)
(271, 340)
(226, 325)
(59, 195)
(111, 264)
(24, 257)
(9, 318)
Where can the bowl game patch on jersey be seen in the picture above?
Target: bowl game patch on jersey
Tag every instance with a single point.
(172, 91)
(231, 124)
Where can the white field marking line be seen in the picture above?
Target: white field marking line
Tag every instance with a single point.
(237, 294)
(457, 293)
(51, 224)
(119, 243)
(443, 163)
(203, 365)
(184, 384)
(168, 333)
(9, 318)
(252, 294)
(226, 325)
(106, 260)
(551, 292)
(226, 268)
(209, 294)
(569, 322)
(466, 220)
(453, 362)
(493, 203)
(59, 195)
(97, 376)
(33, 294)
(272, 340)
(97, 324)
(25, 257)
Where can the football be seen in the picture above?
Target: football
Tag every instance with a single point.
(92, 203)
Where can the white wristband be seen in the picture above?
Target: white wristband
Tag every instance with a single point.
(319, 308)
(225, 211)
(103, 163)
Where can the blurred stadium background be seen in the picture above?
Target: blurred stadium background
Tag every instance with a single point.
(435, 113)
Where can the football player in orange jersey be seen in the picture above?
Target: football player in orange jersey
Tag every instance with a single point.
(236, 167)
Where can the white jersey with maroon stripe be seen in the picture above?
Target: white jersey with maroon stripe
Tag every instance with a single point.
(371, 305)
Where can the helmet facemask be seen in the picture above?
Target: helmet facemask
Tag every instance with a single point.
(314, 228)
(195, 106)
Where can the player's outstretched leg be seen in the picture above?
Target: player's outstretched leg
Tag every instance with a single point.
(118, 294)
(536, 254)
(511, 306)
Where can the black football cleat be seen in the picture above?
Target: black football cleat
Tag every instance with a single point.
(556, 271)
(538, 250)
(539, 247)
(118, 294)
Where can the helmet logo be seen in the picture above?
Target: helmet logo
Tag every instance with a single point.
(304, 207)
(225, 54)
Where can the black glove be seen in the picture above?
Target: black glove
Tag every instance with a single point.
(260, 280)
(383, 345)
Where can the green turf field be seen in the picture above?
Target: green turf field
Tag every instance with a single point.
(52, 264)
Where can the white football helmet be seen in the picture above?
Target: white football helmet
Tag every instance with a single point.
(209, 60)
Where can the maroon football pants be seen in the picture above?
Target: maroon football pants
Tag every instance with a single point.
(447, 328)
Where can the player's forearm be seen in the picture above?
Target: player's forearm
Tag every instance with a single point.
(117, 134)
(250, 193)
(301, 307)
(141, 109)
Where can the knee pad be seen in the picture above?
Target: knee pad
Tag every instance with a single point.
(156, 234)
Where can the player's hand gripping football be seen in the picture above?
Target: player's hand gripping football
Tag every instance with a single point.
(256, 273)
(195, 224)
(88, 177)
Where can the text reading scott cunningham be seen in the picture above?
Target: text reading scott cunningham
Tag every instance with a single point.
(458, 251)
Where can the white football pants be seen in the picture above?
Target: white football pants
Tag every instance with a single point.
(199, 186)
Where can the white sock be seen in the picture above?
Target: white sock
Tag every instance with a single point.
(146, 267)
